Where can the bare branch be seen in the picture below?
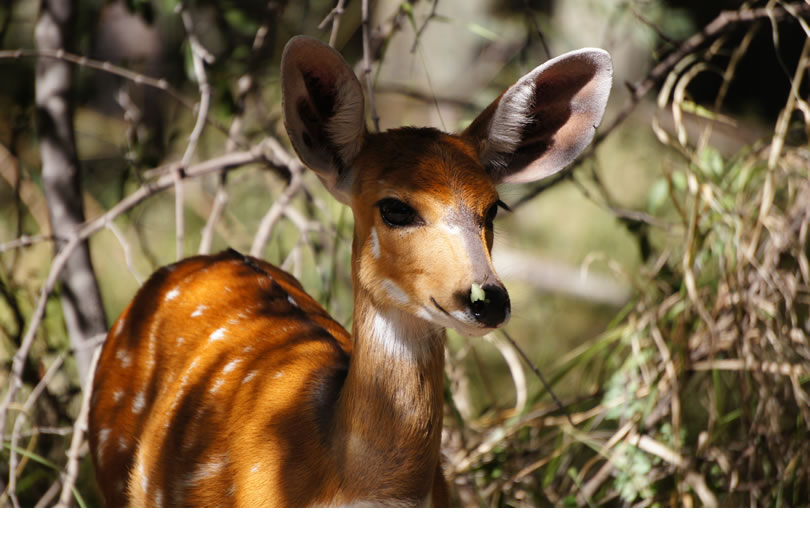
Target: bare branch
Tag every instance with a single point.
(367, 65)
(334, 18)
(272, 216)
(79, 428)
(263, 152)
(423, 27)
(25, 412)
(721, 24)
(25, 241)
(199, 56)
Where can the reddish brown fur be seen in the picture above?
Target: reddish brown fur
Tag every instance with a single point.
(316, 439)
(280, 335)
(225, 384)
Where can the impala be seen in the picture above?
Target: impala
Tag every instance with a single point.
(224, 384)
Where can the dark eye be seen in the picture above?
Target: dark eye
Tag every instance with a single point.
(492, 212)
(396, 213)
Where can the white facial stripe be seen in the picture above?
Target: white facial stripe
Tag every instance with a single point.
(452, 229)
(467, 236)
(375, 244)
(396, 293)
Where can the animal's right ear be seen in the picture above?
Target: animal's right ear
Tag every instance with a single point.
(324, 110)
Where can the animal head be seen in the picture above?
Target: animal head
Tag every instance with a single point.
(423, 200)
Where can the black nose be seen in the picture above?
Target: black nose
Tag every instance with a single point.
(489, 304)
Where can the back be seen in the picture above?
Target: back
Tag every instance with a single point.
(194, 396)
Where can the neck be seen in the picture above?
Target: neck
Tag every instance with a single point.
(389, 415)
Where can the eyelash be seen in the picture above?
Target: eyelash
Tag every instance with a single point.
(492, 212)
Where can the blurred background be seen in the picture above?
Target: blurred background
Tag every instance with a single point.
(659, 285)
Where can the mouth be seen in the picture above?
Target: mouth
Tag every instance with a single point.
(437, 305)
(465, 328)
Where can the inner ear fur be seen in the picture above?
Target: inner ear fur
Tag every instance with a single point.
(324, 110)
(546, 119)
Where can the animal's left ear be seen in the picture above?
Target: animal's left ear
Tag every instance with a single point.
(546, 119)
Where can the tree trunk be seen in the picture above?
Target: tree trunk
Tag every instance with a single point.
(81, 299)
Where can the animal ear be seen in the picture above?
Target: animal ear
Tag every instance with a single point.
(324, 110)
(546, 119)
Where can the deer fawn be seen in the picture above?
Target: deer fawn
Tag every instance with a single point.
(224, 384)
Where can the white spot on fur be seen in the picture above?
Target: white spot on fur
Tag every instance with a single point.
(217, 385)
(292, 301)
(452, 229)
(375, 244)
(180, 341)
(173, 294)
(231, 366)
(209, 469)
(219, 334)
(144, 478)
(103, 436)
(159, 498)
(117, 395)
(255, 468)
(139, 403)
(152, 345)
(250, 376)
(199, 311)
(124, 357)
(278, 375)
(120, 326)
(396, 293)
(123, 444)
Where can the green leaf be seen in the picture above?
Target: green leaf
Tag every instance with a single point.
(480, 31)
(477, 294)
(659, 193)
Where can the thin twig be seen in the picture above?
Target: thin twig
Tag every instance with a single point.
(423, 27)
(79, 428)
(527, 8)
(334, 18)
(199, 56)
(119, 235)
(255, 155)
(245, 85)
(638, 90)
(540, 376)
(107, 67)
(776, 147)
(11, 490)
(513, 362)
(367, 65)
(26, 241)
(275, 212)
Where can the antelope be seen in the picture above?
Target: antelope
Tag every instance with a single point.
(224, 384)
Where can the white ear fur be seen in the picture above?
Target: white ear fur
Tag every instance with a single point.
(324, 110)
(546, 119)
